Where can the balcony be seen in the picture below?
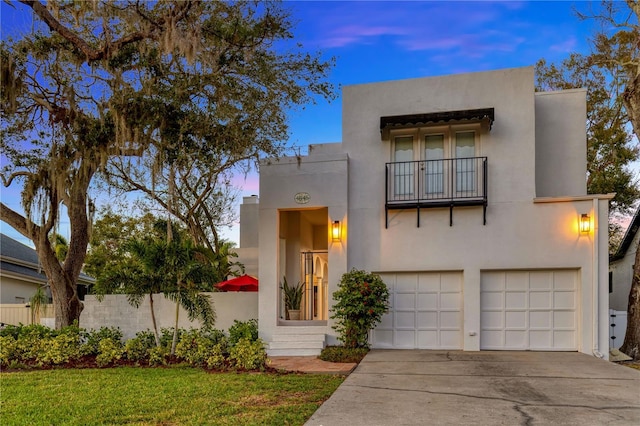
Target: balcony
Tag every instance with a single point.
(448, 182)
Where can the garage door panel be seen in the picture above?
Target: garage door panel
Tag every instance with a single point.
(539, 311)
(564, 339)
(450, 301)
(540, 300)
(451, 281)
(428, 301)
(516, 339)
(541, 280)
(516, 319)
(404, 339)
(564, 300)
(564, 280)
(404, 301)
(449, 339)
(492, 300)
(451, 320)
(515, 300)
(406, 320)
(425, 312)
(564, 319)
(493, 282)
(429, 282)
(427, 320)
(516, 281)
(540, 319)
(492, 320)
(540, 338)
(406, 283)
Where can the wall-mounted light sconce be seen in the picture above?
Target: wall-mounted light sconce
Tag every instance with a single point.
(585, 223)
(336, 231)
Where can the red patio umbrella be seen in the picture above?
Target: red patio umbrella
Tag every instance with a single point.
(242, 283)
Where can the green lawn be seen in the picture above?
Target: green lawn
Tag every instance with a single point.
(160, 396)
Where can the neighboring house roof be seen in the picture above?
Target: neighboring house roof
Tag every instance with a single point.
(628, 237)
(20, 260)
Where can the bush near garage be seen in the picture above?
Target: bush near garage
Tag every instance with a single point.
(362, 299)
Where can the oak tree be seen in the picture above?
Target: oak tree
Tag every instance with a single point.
(111, 84)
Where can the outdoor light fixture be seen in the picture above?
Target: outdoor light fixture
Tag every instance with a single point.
(585, 223)
(335, 230)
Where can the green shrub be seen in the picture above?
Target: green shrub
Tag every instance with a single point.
(248, 355)
(361, 300)
(343, 354)
(243, 330)
(92, 338)
(217, 356)
(137, 349)
(166, 336)
(8, 346)
(60, 349)
(193, 347)
(158, 355)
(10, 330)
(109, 350)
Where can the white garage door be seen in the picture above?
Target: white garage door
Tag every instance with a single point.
(425, 312)
(529, 310)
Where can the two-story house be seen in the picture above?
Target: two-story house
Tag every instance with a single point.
(467, 194)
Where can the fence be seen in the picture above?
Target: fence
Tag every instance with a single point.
(23, 314)
(617, 328)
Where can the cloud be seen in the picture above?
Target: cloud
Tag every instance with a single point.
(566, 46)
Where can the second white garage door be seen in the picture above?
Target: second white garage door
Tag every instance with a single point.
(425, 312)
(529, 310)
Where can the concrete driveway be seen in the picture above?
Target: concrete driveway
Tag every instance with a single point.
(420, 387)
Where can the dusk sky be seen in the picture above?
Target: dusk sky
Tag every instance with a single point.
(378, 41)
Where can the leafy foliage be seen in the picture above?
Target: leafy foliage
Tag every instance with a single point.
(243, 330)
(610, 146)
(361, 300)
(292, 294)
(109, 351)
(28, 346)
(343, 354)
(150, 96)
(248, 355)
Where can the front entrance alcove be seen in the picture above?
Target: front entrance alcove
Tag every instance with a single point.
(303, 258)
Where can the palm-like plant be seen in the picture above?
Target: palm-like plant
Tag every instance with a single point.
(175, 268)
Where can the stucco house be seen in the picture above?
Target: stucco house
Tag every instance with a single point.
(21, 273)
(466, 193)
(621, 266)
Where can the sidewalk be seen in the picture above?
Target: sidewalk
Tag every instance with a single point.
(310, 365)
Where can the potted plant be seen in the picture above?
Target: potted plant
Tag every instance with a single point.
(292, 298)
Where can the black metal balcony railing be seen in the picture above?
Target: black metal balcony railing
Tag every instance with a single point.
(436, 183)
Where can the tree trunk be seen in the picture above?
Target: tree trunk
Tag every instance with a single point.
(174, 341)
(153, 320)
(631, 344)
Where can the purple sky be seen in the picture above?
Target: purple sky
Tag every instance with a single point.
(383, 40)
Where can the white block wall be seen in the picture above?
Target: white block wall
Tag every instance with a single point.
(115, 311)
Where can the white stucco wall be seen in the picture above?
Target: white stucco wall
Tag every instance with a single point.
(322, 175)
(115, 311)
(561, 145)
(622, 275)
(524, 231)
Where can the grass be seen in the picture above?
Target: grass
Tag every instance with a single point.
(160, 396)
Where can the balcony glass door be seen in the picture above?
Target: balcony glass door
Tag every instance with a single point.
(433, 167)
(465, 150)
(403, 156)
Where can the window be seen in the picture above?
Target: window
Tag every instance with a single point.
(441, 160)
(403, 155)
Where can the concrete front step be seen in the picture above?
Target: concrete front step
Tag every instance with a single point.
(298, 338)
(300, 343)
(293, 352)
(296, 345)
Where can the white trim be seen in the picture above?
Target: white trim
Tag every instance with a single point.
(567, 199)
